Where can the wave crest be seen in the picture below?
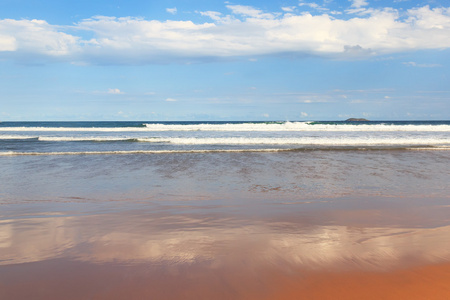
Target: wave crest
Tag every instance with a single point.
(245, 127)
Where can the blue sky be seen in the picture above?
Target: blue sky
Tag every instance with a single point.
(223, 60)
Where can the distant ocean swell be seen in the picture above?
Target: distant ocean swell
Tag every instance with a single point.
(296, 126)
(244, 127)
(71, 138)
(305, 141)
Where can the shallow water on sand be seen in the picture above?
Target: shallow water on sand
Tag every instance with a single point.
(226, 225)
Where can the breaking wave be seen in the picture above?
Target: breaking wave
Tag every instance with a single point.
(246, 127)
(316, 141)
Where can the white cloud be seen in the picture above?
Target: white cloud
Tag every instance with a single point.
(250, 11)
(171, 100)
(131, 40)
(214, 15)
(7, 43)
(426, 18)
(314, 99)
(414, 64)
(36, 37)
(172, 11)
(312, 5)
(288, 8)
(303, 114)
(115, 91)
(358, 7)
(358, 3)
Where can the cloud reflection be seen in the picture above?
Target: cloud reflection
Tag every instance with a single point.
(171, 239)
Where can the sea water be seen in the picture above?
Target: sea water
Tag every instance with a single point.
(177, 209)
(19, 138)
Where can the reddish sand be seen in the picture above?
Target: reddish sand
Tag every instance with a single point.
(430, 282)
(56, 280)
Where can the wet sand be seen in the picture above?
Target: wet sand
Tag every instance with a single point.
(74, 280)
(245, 229)
(426, 282)
(183, 253)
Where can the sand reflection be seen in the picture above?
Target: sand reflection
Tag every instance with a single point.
(136, 238)
(150, 254)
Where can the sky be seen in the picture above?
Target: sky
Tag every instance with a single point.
(201, 60)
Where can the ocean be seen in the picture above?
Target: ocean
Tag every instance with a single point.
(20, 138)
(224, 210)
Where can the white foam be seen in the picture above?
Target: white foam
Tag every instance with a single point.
(125, 152)
(298, 141)
(63, 138)
(295, 126)
(81, 139)
(73, 129)
(16, 153)
(315, 141)
(17, 137)
(282, 126)
(70, 138)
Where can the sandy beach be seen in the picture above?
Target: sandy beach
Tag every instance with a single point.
(77, 280)
(334, 224)
(200, 251)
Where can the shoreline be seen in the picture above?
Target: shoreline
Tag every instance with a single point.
(311, 225)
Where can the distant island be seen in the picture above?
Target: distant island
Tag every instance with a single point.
(357, 120)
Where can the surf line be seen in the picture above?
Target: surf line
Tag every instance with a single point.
(11, 153)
